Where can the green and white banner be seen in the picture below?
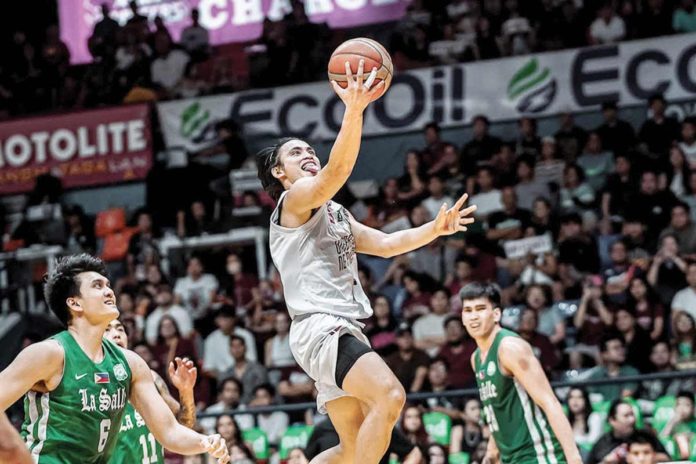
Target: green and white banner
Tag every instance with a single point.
(504, 89)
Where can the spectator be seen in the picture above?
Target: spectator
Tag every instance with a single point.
(230, 431)
(457, 353)
(587, 425)
(647, 306)
(250, 373)
(437, 454)
(277, 349)
(676, 174)
(469, 435)
(438, 382)
(528, 142)
(661, 360)
(463, 274)
(136, 20)
(616, 135)
(611, 447)
(412, 182)
(590, 320)
(576, 194)
(417, 299)
(488, 199)
(640, 449)
(510, 223)
(296, 456)
(543, 220)
(218, 358)
(569, 139)
(528, 188)
(690, 195)
(194, 38)
(683, 229)
(516, 31)
(408, 363)
(596, 162)
(549, 169)
(382, 334)
(412, 426)
(684, 341)
(166, 306)
(668, 270)
(688, 141)
(275, 423)
(195, 222)
(434, 146)
(80, 231)
(429, 329)
(650, 205)
(659, 131)
(541, 344)
(486, 46)
(142, 248)
(684, 18)
(228, 400)
(617, 275)
(167, 69)
(481, 148)
(619, 188)
(655, 20)
(637, 340)
(607, 28)
(105, 29)
(576, 248)
(550, 321)
(612, 350)
(196, 291)
(438, 196)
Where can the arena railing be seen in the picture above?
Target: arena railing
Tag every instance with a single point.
(468, 392)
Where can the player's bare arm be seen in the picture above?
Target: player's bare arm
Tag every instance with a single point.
(163, 389)
(309, 193)
(183, 373)
(38, 367)
(448, 221)
(160, 420)
(12, 448)
(492, 453)
(517, 358)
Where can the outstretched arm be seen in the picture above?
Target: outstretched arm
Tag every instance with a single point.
(183, 374)
(448, 221)
(160, 420)
(12, 448)
(309, 193)
(517, 358)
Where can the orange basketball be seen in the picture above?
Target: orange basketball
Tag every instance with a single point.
(354, 50)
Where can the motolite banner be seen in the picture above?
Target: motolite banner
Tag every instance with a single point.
(84, 149)
(505, 89)
(226, 20)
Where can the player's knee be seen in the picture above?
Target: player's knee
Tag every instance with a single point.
(395, 399)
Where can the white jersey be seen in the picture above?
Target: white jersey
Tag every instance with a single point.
(317, 264)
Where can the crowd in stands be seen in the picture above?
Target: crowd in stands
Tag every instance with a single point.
(141, 60)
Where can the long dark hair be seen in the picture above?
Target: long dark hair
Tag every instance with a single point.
(237, 431)
(160, 338)
(585, 413)
(420, 435)
(266, 159)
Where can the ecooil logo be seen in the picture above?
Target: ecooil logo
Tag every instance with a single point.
(532, 88)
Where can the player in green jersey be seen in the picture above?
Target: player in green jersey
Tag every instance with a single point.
(12, 449)
(77, 384)
(523, 414)
(135, 443)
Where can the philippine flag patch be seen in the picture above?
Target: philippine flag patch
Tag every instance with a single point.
(101, 377)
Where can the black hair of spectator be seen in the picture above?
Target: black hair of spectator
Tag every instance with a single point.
(609, 336)
(62, 283)
(440, 359)
(477, 290)
(234, 380)
(445, 290)
(569, 218)
(451, 318)
(237, 338)
(487, 167)
(655, 98)
(481, 118)
(686, 394)
(627, 309)
(432, 125)
(531, 120)
(237, 431)
(609, 105)
(228, 311)
(681, 204)
(641, 437)
(614, 407)
(267, 159)
(266, 386)
(465, 259)
(177, 332)
(545, 289)
(526, 159)
(588, 407)
(578, 171)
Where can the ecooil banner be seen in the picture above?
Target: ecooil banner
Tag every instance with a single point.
(504, 89)
(226, 20)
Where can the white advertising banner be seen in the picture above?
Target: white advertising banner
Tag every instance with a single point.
(504, 89)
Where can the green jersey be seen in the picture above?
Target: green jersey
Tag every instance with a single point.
(519, 427)
(136, 444)
(79, 420)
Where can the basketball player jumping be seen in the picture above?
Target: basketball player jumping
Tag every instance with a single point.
(77, 384)
(518, 402)
(313, 241)
(135, 441)
(12, 448)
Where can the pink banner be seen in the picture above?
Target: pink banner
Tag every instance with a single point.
(86, 148)
(226, 20)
